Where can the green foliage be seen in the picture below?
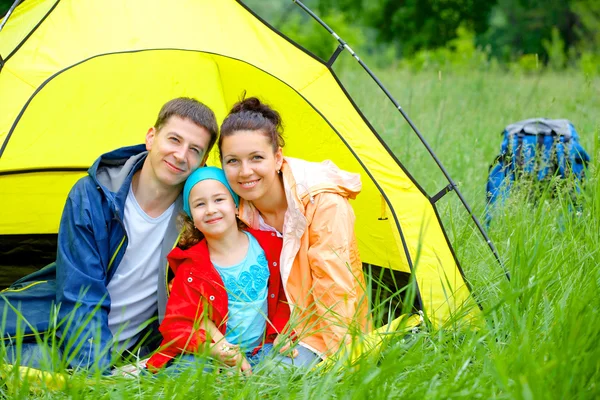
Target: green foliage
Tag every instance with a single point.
(527, 63)
(4, 7)
(307, 32)
(460, 53)
(415, 24)
(555, 49)
(507, 29)
(590, 64)
(588, 14)
(418, 24)
(522, 27)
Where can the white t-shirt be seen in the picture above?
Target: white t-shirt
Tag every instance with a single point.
(133, 287)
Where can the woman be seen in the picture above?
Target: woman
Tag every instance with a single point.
(307, 204)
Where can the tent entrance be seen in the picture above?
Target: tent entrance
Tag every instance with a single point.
(393, 294)
(82, 98)
(24, 254)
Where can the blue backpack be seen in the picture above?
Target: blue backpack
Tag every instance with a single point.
(540, 150)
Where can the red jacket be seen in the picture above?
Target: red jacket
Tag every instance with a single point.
(197, 282)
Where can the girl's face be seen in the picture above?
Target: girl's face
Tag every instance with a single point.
(213, 209)
(250, 165)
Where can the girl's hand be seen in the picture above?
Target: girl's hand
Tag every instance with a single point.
(285, 348)
(230, 354)
(227, 353)
(245, 367)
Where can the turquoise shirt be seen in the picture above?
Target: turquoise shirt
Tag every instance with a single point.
(246, 286)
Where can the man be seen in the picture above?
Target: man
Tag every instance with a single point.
(118, 225)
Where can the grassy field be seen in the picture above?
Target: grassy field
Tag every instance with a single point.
(541, 332)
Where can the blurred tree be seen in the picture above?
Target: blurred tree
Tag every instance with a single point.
(526, 27)
(4, 6)
(508, 29)
(429, 23)
(415, 24)
(588, 29)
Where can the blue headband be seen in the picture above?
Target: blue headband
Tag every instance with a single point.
(202, 174)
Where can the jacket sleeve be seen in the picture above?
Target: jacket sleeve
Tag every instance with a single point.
(181, 328)
(81, 291)
(338, 284)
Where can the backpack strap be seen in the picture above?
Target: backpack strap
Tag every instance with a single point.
(561, 157)
(519, 159)
(539, 155)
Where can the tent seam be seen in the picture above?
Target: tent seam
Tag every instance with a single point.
(316, 78)
(221, 85)
(50, 11)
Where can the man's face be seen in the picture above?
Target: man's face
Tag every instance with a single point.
(176, 150)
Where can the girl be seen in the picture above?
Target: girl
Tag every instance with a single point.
(226, 280)
(307, 204)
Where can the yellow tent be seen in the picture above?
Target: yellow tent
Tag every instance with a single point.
(82, 77)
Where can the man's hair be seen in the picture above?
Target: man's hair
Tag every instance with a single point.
(193, 110)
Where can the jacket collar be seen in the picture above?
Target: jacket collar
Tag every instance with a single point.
(112, 173)
(302, 181)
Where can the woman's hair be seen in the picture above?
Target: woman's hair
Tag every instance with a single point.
(190, 235)
(252, 115)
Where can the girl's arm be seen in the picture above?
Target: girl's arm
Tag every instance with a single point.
(186, 327)
(183, 328)
(222, 350)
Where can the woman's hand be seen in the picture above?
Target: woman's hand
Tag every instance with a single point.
(286, 343)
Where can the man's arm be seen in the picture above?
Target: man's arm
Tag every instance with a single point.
(82, 295)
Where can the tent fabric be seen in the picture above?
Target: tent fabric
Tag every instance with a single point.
(83, 77)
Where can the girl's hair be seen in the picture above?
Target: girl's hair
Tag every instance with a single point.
(252, 115)
(190, 235)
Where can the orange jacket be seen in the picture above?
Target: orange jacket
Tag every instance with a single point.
(320, 265)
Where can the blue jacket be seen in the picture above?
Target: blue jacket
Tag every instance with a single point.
(91, 244)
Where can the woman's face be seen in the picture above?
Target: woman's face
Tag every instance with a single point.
(250, 164)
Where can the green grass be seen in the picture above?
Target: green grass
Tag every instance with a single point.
(541, 332)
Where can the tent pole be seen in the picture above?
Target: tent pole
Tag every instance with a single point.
(15, 4)
(414, 128)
